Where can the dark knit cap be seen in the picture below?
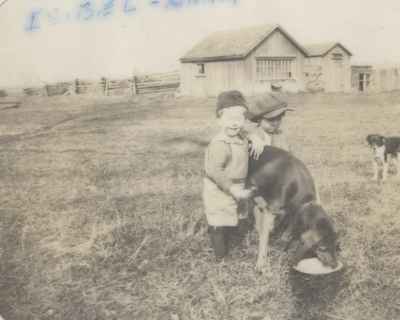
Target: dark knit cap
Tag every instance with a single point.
(229, 99)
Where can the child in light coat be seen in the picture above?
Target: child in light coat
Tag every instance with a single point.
(226, 166)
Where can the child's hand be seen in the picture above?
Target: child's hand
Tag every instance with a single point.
(256, 146)
(241, 194)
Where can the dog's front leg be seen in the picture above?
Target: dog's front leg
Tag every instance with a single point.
(385, 170)
(397, 160)
(264, 225)
(375, 168)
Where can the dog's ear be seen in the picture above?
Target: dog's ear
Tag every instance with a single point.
(370, 139)
(326, 228)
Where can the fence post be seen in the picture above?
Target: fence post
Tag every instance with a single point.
(106, 86)
(103, 85)
(46, 90)
(74, 87)
(133, 86)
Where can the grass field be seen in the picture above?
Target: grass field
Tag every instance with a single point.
(101, 215)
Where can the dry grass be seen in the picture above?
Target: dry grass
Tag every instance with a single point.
(101, 213)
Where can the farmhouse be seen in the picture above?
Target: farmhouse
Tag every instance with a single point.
(263, 58)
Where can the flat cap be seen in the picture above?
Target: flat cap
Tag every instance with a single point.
(267, 106)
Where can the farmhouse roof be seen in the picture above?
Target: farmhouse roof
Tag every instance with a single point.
(234, 44)
(321, 49)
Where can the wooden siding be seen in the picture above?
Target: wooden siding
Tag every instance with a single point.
(218, 76)
(383, 78)
(313, 74)
(322, 73)
(337, 73)
(242, 74)
(277, 45)
(327, 73)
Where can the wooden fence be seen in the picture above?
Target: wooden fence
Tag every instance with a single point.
(160, 82)
(142, 84)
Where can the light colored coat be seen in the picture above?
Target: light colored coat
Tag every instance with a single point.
(226, 163)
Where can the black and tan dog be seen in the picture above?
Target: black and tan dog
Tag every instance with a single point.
(383, 147)
(287, 202)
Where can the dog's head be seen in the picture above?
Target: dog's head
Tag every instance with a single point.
(375, 140)
(377, 143)
(319, 240)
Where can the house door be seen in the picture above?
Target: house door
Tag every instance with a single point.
(338, 76)
(361, 82)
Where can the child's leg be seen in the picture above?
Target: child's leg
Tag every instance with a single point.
(218, 241)
(233, 237)
(243, 209)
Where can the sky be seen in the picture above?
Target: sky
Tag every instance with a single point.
(44, 41)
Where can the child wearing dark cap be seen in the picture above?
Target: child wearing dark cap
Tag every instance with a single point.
(268, 112)
(226, 166)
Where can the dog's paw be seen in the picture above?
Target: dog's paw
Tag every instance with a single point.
(263, 267)
(260, 265)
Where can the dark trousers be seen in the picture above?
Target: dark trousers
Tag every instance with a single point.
(221, 238)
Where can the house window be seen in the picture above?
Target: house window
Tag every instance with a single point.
(364, 81)
(280, 68)
(201, 69)
(337, 56)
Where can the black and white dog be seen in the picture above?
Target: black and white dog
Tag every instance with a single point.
(383, 147)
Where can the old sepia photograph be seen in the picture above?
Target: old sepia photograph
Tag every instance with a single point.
(199, 160)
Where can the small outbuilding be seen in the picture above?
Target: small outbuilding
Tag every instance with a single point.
(333, 62)
(361, 76)
(261, 59)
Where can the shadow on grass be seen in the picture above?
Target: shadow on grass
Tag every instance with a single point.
(313, 295)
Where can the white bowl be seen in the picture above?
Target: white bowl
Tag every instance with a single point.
(315, 266)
